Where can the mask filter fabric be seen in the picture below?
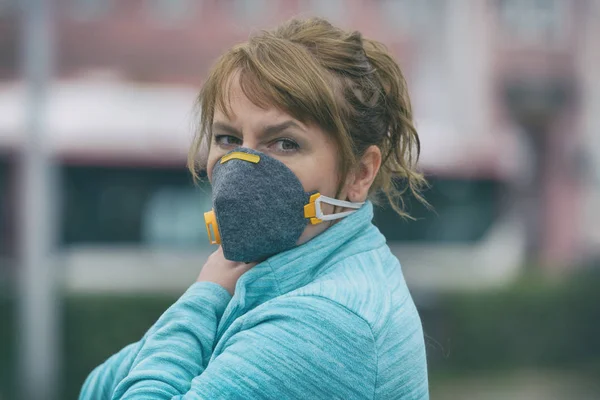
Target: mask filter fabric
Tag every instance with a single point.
(260, 207)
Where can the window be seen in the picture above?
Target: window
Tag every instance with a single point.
(161, 207)
(174, 216)
(134, 206)
(463, 211)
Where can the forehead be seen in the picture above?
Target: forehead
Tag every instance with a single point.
(236, 105)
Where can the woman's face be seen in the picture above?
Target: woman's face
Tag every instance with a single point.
(305, 149)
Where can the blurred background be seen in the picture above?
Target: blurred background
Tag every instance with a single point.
(101, 227)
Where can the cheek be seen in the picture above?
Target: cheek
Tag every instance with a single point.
(209, 170)
(317, 173)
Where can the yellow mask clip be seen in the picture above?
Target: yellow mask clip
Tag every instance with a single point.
(310, 210)
(239, 155)
(210, 219)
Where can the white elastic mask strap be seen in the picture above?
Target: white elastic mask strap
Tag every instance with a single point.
(335, 202)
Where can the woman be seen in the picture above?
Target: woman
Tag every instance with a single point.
(302, 125)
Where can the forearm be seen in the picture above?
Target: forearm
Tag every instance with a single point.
(178, 347)
(102, 381)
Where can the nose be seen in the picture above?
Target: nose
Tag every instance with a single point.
(250, 144)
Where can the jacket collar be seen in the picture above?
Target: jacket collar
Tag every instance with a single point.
(299, 266)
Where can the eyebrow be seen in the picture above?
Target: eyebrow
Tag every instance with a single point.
(227, 128)
(268, 131)
(273, 130)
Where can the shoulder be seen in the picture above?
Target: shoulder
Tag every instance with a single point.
(369, 284)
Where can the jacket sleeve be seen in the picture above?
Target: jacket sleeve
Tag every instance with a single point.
(302, 348)
(187, 328)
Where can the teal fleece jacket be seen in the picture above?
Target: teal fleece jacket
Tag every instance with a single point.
(331, 319)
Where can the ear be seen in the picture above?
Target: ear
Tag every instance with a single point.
(360, 180)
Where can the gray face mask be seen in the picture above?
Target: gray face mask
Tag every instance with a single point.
(260, 207)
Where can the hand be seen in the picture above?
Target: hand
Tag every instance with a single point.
(221, 271)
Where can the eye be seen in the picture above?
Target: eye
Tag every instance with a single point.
(284, 146)
(227, 140)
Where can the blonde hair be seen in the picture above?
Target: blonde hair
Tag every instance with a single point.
(348, 85)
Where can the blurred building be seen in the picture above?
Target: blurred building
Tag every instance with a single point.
(506, 96)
